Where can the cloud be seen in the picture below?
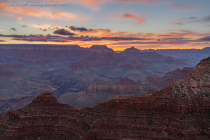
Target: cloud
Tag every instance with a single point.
(185, 31)
(206, 19)
(13, 29)
(93, 4)
(80, 29)
(91, 32)
(195, 19)
(43, 29)
(148, 43)
(24, 26)
(50, 27)
(62, 15)
(164, 35)
(1, 30)
(53, 38)
(84, 34)
(91, 38)
(38, 12)
(192, 17)
(139, 19)
(142, 1)
(63, 32)
(184, 8)
(111, 33)
(19, 18)
(175, 23)
(207, 38)
(190, 20)
(126, 1)
(2, 41)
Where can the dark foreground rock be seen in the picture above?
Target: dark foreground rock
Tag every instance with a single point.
(180, 111)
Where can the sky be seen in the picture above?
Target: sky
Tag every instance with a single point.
(119, 24)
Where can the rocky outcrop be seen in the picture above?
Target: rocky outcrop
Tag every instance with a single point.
(11, 66)
(150, 79)
(172, 76)
(96, 92)
(45, 118)
(104, 66)
(191, 56)
(180, 112)
(126, 81)
(10, 104)
(131, 50)
(101, 49)
(124, 86)
(43, 56)
(4, 73)
(98, 63)
(18, 86)
(39, 47)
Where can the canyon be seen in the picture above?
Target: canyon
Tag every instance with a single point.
(97, 92)
(179, 111)
(18, 86)
(27, 70)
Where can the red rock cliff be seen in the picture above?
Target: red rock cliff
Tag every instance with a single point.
(179, 112)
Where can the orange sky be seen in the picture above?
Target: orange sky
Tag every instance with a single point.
(119, 24)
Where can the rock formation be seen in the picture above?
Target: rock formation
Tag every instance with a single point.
(100, 49)
(180, 111)
(63, 65)
(18, 86)
(103, 65)
(45, 118)
(172, 76)
(191, 56)
(96, 92)
(131, 50)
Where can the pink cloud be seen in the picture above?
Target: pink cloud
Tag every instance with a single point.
(19, 18)
(132, 16)
(38, 12)
(175, 23)
(184, 8)
(111, 33)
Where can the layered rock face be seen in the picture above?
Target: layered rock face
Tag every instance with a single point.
(101, 64)
(101, 49)
(120, 87)
(71, 67)
(38, 57)
(172, 76)
(33, 54)
(18, 86)
(131, 50)
(180, 111)
(191, 56)
(96, 92)
(45, 118)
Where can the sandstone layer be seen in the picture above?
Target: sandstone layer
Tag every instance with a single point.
(180, 111)
(96, 92)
